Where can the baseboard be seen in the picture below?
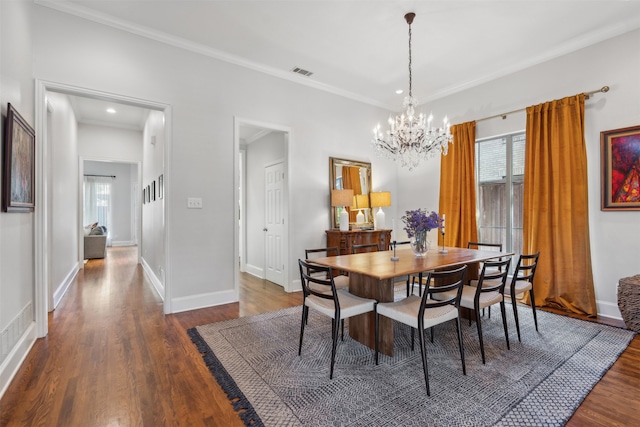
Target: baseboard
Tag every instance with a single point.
(16, 357)
(296, 286)
(156, 283)
(123, 243)
(210, 299)
(61, 290)
(255, 271)
(608, 309)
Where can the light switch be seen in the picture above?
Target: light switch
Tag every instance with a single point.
(194, 203)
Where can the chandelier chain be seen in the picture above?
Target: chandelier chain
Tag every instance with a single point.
(410, 74)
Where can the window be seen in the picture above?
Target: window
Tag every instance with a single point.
(500, 180)
(97, 202)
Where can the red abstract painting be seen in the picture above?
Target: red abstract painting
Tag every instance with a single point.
(621, 168)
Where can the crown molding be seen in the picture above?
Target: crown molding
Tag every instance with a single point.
(179, 42)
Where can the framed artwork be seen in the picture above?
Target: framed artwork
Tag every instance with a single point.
(161, 186)
(620, 179)
(18, 178)
(153, 190)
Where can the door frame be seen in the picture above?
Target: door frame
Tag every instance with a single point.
(237, 123)
(41, 239)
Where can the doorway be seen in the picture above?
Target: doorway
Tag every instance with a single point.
(46, 173)
(258, 147)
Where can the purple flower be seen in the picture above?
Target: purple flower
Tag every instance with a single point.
(419, 220)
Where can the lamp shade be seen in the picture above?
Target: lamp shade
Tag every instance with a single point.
(380, 199)
(341, 198)
(360, 201)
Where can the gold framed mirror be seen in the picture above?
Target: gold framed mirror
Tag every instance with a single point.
(354, 175)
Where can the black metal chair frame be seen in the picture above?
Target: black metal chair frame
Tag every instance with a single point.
(527, 265)
(427, 302)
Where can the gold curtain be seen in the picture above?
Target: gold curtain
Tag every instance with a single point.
(556, 215)
(458, 187)
(351, 181)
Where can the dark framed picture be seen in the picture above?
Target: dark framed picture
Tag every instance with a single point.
(161, 186)
(153, 190)
(18, 178)
(148, 194)
(144, 196)
(620, 179)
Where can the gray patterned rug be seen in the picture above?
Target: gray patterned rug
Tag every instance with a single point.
(539, 382)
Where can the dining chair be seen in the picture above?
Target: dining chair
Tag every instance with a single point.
(338, 304)
(341, 279)
(428, 311)
(485, 292)
(485, 246)
(521, 282)
(400, 280)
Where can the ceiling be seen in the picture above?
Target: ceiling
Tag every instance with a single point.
(359, 49)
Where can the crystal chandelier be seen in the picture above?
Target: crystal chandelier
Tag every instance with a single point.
(412, 138)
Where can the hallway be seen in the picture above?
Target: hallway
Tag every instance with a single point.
(113, 358)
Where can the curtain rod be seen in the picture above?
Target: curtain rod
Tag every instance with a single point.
(587, 95)
(102, 176)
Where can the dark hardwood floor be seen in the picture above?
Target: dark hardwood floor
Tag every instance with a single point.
(113, 358)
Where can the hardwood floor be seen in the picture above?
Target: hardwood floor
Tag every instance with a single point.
(113, 358)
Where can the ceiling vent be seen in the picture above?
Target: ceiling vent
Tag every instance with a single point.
(304, 72)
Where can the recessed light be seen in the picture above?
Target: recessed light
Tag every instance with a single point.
(399, 91)
(111, 110)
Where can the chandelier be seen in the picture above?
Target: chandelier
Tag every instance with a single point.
(411, 138)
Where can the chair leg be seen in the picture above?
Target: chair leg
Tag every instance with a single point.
(423, 352)
(514, 304)
(342, 329)
(533, 307)
(431, 334)
(334, 332)
(377, 331)
(504, 323)
(412, 339)
(461, 345)
(479, 326)
(305, 311)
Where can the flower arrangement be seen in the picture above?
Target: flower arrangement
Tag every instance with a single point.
(419, 221)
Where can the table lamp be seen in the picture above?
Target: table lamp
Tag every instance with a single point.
(342, 198)
(379, 200)
(360, 203)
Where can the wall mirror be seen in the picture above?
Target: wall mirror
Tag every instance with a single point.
(351, 174)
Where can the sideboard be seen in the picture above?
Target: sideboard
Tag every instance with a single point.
(344, 240)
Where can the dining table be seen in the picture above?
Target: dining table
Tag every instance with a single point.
(371, 275)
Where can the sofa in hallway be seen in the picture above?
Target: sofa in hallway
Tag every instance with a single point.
(95, 242)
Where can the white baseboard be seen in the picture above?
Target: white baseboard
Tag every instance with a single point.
(608, 309)
(123, 243)
(156, 283)
(296, 286)
(16, 357)
(255, 271)
(64, 286)
(210, 299)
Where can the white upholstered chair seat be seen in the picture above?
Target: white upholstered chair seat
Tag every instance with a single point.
(521, 286)
(486, 299)
(350, 305)
(406, 311)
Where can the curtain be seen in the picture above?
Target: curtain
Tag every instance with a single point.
(556, 216)
(351, 181)
(458, 187)
(97, 202)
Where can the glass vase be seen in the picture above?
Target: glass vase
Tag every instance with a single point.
(419, 244)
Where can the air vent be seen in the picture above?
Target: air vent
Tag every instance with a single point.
(302, 71)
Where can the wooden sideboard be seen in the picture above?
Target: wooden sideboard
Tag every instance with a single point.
(344, 240)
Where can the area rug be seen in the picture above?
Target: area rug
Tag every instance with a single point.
(539, 382)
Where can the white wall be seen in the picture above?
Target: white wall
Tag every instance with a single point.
(62, 196)
(109, 143)
(121, 231)
(615, 241)
(260, 153)
(17, 277)
(153, 221)
(205, 95)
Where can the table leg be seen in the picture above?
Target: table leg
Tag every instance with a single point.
(362, 327)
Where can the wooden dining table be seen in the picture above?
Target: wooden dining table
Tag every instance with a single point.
(371, 275)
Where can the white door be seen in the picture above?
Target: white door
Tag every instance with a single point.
(274, 223)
